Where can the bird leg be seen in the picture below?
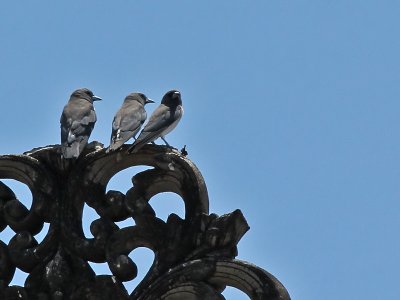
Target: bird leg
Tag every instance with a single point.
(166, 143)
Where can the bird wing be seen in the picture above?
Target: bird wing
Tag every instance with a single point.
(129, 119)
(65, 125)
(159, 121)
(89, 119)
(127, 123)
(73, 129)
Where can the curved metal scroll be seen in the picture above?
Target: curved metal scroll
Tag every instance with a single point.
(194, 256)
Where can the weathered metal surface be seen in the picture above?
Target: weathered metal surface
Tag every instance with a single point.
(194, 256)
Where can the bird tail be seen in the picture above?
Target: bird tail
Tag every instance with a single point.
(136, 147)
(74, 149)
(143, 139)
(71, 151)
(133, 149)
(114, 146)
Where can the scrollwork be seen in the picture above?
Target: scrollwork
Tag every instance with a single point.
(194, 256)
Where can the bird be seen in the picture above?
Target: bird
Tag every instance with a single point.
(162, 121)
(77, 122)
(128, 120)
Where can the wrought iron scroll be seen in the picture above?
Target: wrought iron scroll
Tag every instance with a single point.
(194, 257)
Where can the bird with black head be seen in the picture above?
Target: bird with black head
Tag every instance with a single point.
(162, 121)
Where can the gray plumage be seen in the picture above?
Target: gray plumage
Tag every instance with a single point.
(77, 122)
(163, 120)
(128, 120)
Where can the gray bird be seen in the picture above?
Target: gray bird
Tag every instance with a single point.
(77, 122)
(128, 120)
(163, 120)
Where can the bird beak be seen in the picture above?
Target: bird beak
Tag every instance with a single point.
(149, 101)
(96, 98)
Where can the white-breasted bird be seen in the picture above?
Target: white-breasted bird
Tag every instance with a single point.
(162, 121)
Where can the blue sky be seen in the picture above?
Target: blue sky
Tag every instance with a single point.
(291, 114)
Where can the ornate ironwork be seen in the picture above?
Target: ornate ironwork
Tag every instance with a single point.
(194, 257)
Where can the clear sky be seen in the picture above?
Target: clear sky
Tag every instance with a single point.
(291, 113)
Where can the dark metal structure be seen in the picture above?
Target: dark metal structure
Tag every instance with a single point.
(194, 256)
